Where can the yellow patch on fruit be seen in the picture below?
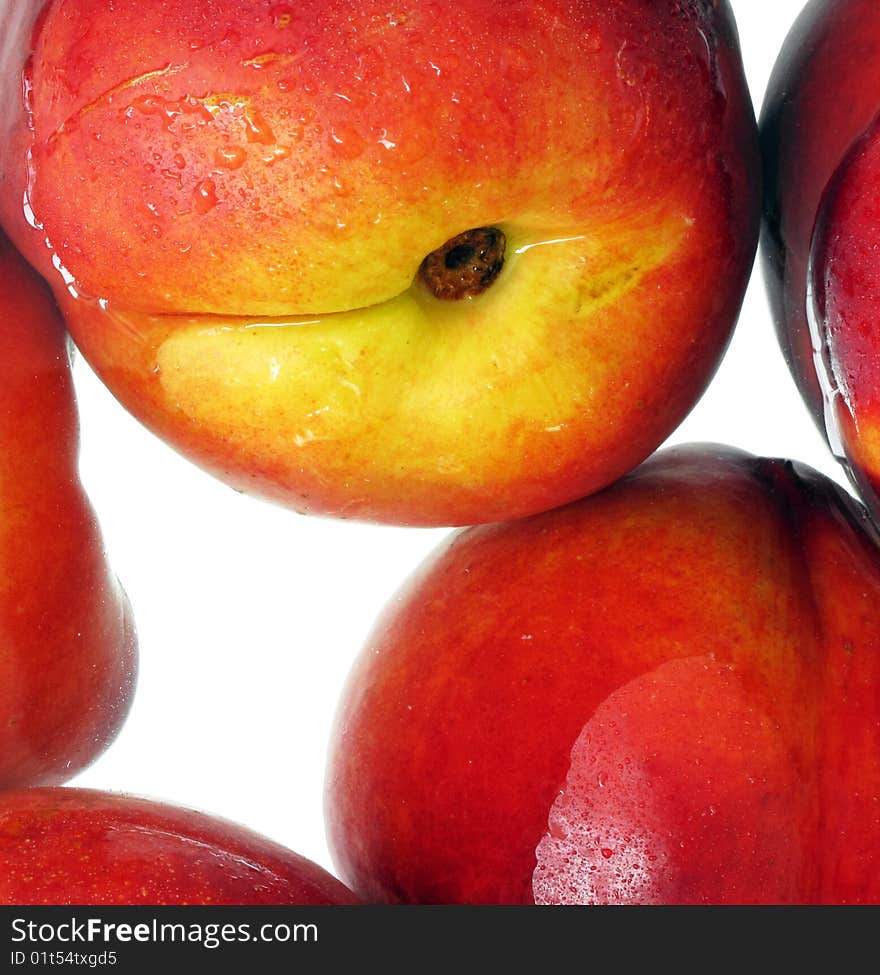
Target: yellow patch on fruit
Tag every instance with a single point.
(432, 381)
(863, 444)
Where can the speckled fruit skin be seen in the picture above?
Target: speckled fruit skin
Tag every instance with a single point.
(665, 693)
(79, 846)
(822, 224)
(232, 201)
(67, 641)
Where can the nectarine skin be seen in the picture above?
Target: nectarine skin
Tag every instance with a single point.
(822, 228)
(233, 200)
(665, 693)
(79, 846)
(67, 640)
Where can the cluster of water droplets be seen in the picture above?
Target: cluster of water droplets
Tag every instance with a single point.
(598, 848)
(832, 394)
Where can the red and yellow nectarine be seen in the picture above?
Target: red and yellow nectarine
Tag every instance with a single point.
(822, 227)
(665, 693)
(252, 214)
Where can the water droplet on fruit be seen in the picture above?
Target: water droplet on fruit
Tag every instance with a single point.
(205, 196)
(229, 157)
(606, 853)
(170, 111)
(27, 83)
(346, 142)
(385, 141)
(602, 779)
(832, 396)
(257, 129)
(275, 154)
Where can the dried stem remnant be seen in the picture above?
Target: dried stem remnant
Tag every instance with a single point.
(464, 266)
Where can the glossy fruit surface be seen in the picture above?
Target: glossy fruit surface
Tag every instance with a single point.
(822, 225)
(665, 693)
(67, 640)
(78, 846)
(234, 202)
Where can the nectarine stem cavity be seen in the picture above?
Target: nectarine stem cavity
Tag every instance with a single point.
(464, 266)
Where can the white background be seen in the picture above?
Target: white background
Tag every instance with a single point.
(249, 616)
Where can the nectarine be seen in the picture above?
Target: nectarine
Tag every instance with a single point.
(822, 226)
(665, 693)
(429, 264)
(67, 639)
(79, 846)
